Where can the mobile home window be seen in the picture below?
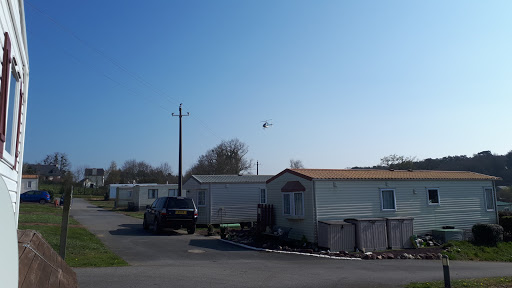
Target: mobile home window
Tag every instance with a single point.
(10, 111)
(388, 199)
(293, 204)
(201, 198)
(489, 199)
(433, 196)
(29, 184)
(152, 193)
(172, 192)
(263, 196)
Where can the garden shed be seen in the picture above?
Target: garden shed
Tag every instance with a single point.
(303, 197)
(138, 196)
(227, 198)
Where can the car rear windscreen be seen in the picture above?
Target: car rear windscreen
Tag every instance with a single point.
(180, 203)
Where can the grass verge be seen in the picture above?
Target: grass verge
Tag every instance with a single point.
(44, 214)
(464, 250)
(83, 248)
(109, 205)
(498, 282)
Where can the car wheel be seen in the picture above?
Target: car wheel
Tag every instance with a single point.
(156, 227)
(145, 224)
(191, 229)
(42, 201)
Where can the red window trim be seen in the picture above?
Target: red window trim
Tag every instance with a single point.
(6, 71)
(18, 134)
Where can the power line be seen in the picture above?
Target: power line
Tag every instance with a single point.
(114, 62)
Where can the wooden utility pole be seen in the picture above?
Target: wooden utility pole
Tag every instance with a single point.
(64, 225)
(180, 176)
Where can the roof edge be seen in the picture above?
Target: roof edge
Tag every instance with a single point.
(288, 170)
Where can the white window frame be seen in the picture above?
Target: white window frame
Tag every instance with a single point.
(438, 197)
(203, 200)
(155, 193)
(263, 192)
(492, 197)
(382, 199)
(29, 184)
(12, 111)
(292, 204)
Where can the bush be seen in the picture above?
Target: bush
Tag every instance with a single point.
(487, 234)
(506, 223)
(504, 214)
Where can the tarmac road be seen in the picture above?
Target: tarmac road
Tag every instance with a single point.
(176, 259)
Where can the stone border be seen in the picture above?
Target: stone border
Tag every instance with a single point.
(288, 252)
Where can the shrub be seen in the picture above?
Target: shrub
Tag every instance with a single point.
(506, 223)
(487, 234)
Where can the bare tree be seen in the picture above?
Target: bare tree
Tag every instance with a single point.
(58, 159)
(112, 174)
(79, 172)
(296, 164)
(229, 157)
(398, 162)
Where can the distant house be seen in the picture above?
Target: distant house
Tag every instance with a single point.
(46, 172)
(227, 198)
(29, 182)
(95, 176)
(303, 197)
(142, 195)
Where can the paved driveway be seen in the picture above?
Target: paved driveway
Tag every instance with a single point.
(181, 260)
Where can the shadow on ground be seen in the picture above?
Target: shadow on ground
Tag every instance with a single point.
(136, 230)
(215, 244)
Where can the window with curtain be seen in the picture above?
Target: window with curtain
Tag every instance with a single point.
(201, 198)
(152, 193)
(298, 204)
(489, 199)
(263, 196)
(287, 204)
(388, 199)
(293, 203)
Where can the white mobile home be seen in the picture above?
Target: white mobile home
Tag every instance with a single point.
(13, 97)
(113, 188)
(142, 195)
(227, 198)
(302, 197)
(13, 111)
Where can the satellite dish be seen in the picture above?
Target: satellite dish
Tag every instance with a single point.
(9, 240)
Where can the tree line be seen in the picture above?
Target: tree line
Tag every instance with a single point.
(483, 162)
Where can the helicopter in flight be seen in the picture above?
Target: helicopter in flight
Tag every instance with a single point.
(267, 123)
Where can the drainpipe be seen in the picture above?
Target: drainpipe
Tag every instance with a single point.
(315, 216)
(495, 202)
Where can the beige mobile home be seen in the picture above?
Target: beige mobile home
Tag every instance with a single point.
(303, 197)
(227, 198)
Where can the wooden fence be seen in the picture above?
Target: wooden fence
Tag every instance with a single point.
(266, 217)
(39, 265)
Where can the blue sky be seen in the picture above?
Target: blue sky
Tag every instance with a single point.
(344, 82)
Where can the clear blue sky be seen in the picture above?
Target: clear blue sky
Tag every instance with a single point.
(344, 82)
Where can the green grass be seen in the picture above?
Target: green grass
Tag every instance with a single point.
(498, 282)
(83, 248)
(45, 214)
(463, 250)
(45, 219)
(109, 205)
